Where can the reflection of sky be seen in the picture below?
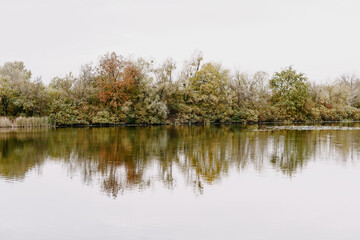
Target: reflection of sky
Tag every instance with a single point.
(313, 205)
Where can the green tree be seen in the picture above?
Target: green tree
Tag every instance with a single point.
(34, 98)
(291, 90)
(14, 86)
(210, 87)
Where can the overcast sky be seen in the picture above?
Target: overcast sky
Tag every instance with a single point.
(320, 38)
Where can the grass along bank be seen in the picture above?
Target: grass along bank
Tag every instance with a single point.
(25, 122)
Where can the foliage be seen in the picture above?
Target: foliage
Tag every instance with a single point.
(290, 90)
(120, 90)
(116, 79)
(208, 89)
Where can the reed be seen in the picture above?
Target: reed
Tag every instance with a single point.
(25, 122)
(5, 122)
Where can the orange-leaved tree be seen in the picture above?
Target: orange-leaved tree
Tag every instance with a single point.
(116, 80)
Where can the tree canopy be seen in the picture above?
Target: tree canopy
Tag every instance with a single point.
(290, 90)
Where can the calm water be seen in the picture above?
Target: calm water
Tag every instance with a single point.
(227, 182)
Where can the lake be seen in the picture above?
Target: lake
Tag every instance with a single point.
(181, 182)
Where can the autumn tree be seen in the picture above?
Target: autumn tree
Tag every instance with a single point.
(149, 100)
(116, 79)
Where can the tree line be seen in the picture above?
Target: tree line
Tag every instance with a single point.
(120, 90)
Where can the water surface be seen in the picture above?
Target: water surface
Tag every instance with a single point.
(199, 182)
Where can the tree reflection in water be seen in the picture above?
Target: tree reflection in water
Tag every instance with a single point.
(126, 158)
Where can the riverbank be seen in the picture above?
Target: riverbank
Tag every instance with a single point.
(29, 122)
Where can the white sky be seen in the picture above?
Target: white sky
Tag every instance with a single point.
(318, 37)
